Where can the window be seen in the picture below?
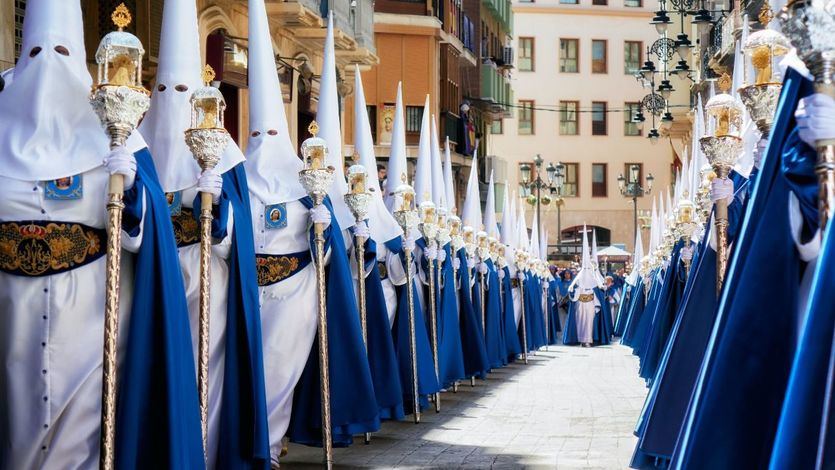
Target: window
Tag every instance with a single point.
(570, 188)
(599, 2)
(19, 9)
(497, 127)
(414, 116)
(525, 55)
(598, 56)
(568, 55)
(598, 180)
(569, 2)
(568, 117)
(632, 57)
(630, 127)
(372, 119)
(633, 3)
(598, 118)
(630, 178)
(526, 124)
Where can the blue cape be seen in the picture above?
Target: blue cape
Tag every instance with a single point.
(353, 403)
(746, 369)
(635, 310)
(601, 335)
(158, 416)
(496, 349)
(450, 354)
(476, 363)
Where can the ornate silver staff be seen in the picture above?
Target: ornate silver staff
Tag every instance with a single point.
(428, 227)
(407, 217)
(358, 201)
(207, 139)
(809, 25)
(470, 249)
(483, 254)
(316, 178)
(686, 226)
(456, 243)
(120, 101)
(521, 262)
(722, 150)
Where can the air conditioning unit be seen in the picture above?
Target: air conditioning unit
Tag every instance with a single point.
(507, 56)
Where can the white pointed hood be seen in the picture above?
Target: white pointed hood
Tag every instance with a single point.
(272, 165)
(471, 213)
(48, 129)
(586, 278)
(438, 190)
(449, 181)
(632, 279)
(507, 219)
(423, 171)
(653, 227)
(534, 241)
(170, 113)
(522, 241)
(543, 245)
(397, 170)
(327, 116)
(490, 225)
(381, 223)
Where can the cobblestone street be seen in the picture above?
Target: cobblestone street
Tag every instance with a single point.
(570, 408)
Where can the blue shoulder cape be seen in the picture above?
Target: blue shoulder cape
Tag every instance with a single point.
(476, 363)
(494, 341)
(450, 353)
(158, 416)
(353, 403)
(513, 346)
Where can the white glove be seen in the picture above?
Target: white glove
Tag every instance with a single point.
(520, 275)
(320, 215)
(501, 274)
(120, 161)
(456, 263)
(816, 118)
(441, 256)
(409, 243)
(759, 152)
(482, 268)
(687, 253)
(722, 188)
(471, 263)
(430, 252)
(210, 182)
(361, 230)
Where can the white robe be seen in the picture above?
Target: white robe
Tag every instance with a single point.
(288, 315)
(51, 338)
(584, 315)
(190, 266)
(395, 276)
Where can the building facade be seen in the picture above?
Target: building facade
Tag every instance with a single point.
(576, 94)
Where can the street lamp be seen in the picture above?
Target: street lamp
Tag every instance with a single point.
(631, 188)
(555, 178)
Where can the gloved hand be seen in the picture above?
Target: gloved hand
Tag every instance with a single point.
(320, 215)
(409, 243)
(687, 253)
(471, 263)
(441, 256)
(816, 118)
(430, 252)
(210, 182)
(361, 230)
(482, 268)
(722, 188)
(759, 152)
(456, 263)
(501, 274)
(120, 161)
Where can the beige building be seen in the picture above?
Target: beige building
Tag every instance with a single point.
(575, 94)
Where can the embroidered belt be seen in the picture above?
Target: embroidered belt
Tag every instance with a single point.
(276, 268)
(586, 298)
(514, 283)
(43, 248)
(186, 228)
(383, 269)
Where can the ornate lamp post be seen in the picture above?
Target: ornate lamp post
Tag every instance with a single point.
(632, 189)
(555, 179)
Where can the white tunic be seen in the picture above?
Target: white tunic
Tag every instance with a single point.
(584, 315)
(395, 276)
(288, 315)
(51, 338)
(190, 266)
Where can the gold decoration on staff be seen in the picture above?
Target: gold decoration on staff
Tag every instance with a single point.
(483, 253)
(120, 101)
(429, 229)
(809, 25)
(521, 262)
(722, 150)
(358, 201)
(407, 217)
(207, 139)
(316, 178)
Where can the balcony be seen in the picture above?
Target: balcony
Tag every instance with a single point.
(502, 11)
(496, 93)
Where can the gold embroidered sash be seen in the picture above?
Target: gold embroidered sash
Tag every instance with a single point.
(186, 228)
(586, 298)
(272, 269)
(43, 248)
